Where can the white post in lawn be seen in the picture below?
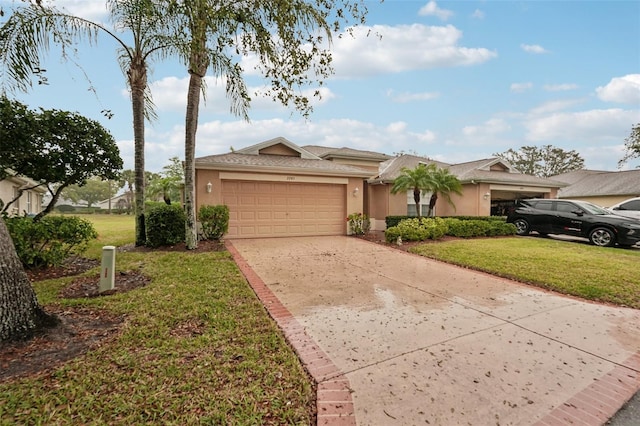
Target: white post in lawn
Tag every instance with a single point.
(107, 270)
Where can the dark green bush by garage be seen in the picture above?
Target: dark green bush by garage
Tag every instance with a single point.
(165, 225)
(214, 221)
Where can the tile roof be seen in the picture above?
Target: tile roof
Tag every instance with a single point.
(326, 151)
(591, 183)
(252, 162)
(472, 171)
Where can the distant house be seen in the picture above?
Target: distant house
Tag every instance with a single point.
(277, 188)
(600, 187)
(120, 203)
(30, 202)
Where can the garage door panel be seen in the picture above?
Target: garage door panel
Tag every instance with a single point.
(270, 209)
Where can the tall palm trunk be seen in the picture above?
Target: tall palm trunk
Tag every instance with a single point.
(416, 199)
(20, 313)
(137, 75)
(199, 64)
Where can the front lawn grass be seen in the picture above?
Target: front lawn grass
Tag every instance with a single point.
(197, 347)
(593, 273)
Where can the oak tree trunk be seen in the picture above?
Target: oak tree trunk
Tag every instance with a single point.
(20, 313)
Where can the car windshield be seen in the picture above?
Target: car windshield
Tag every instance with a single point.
(592, 208)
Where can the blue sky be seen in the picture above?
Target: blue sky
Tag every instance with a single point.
(452, 80)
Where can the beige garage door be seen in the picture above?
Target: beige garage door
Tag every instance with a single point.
(279, 209)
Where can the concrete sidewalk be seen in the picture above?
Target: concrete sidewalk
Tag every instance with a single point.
(397, 339)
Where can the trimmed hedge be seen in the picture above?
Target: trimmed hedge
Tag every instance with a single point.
(165, 225)
(49, 241)
(420, 229)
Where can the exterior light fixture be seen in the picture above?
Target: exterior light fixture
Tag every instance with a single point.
(209, 187)
(355, 191)
(487, 195)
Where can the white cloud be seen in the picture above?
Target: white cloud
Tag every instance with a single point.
(560, 87)
(488, 129)
(477, 14)
(621, 89)
(533, 48)
(553, 106)
(406, 97)
(402, 48)
(595, 126)
(92, 10)
(432, 9)
(520, 87)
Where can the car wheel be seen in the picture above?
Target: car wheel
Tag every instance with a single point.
(602, 237)
(522, 226)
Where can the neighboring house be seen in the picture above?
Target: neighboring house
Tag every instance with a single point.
(600, 187)
(277, 188)
(489, 187)
(31, 200)
(121, 203)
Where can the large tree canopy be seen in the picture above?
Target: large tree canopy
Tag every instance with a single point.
(543, 161)
(631, 145)
(58, 149)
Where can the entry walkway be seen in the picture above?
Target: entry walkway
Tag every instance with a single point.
(397, 339)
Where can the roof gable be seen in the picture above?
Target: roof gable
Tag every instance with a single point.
(278, 146)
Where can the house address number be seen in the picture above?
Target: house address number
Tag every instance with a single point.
(291, 178)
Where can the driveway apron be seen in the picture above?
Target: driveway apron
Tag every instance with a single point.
(424, 342)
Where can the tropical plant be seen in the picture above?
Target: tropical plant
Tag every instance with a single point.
(417, 180)
(359, 223)
(444, 183)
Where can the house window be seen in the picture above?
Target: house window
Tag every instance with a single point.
(29, 206)
(424, 204)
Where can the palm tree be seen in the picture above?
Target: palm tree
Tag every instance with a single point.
(444, 183)
(25, 39)
(418, 179)
(287, 37)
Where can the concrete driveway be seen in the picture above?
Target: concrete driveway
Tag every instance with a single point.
(397, 339)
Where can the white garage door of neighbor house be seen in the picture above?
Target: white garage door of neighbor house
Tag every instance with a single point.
(280, 209)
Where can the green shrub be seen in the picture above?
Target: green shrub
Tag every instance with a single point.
(65, 208)
(359, 223)
(478, 228)
(417, 229)
(394, 220)
(165, 225)
(51, 240)
(214, 221)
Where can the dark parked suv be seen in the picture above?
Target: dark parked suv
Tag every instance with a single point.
(577, 218)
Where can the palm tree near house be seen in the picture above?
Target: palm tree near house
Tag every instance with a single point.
(25, 38)
(444, 183)
(418, 180)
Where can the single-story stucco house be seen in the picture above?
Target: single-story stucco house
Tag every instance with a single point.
(30, 202)
(600, 187)
(277, 188)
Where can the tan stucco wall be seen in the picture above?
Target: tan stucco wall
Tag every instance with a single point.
(20, 206)
(472, 202)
